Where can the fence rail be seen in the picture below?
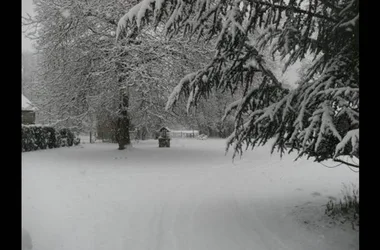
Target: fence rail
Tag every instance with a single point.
(184, 133)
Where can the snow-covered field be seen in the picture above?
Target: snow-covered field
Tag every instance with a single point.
(189, 196)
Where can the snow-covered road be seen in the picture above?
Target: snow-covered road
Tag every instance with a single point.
(189, 196)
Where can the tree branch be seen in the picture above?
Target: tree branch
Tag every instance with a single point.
(298, 10)
(347, 163)
(110, 21)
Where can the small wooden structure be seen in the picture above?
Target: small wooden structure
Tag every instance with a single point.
(164, 138)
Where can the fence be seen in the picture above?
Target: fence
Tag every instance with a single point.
(183, 133)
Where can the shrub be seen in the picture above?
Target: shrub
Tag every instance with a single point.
(28, 139)
(35, 137)
(50, 137)
(346, 209)
(40, 138)
(58, 139)
(76, 141)
(67, 137)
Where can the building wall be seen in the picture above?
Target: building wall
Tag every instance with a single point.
(28, 117)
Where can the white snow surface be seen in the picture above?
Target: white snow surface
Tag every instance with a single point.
(188, 196)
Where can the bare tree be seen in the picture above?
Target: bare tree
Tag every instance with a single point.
(85, 76)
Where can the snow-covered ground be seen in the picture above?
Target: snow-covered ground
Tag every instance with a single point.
(189, 196)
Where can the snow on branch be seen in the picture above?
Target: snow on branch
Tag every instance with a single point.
(184, 83)
(137, 12)
(231, 107)
(353, 22)
(190, 100)
(327, 123)
(353, 137)
(349, 6)
(239, 104)
(268, 113)
(313, 127)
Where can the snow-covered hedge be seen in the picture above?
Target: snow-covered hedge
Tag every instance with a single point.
(36, 137)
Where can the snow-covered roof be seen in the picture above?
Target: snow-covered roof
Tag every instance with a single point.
(26, 104)
(164, 128)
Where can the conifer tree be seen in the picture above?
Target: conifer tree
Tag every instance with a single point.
(319, 118)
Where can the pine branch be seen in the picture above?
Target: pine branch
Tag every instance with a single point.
(347, 163)
(298, 10)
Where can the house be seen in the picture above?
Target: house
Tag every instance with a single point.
(28, 111)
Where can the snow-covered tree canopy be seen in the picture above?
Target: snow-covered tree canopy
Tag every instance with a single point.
(76, 73)
(319, 118)
(81, 71)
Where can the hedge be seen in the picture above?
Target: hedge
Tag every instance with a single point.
(36, 137)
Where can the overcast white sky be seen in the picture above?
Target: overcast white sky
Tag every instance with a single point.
(27, 7)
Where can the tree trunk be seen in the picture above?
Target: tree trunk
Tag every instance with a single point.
(123, 121)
